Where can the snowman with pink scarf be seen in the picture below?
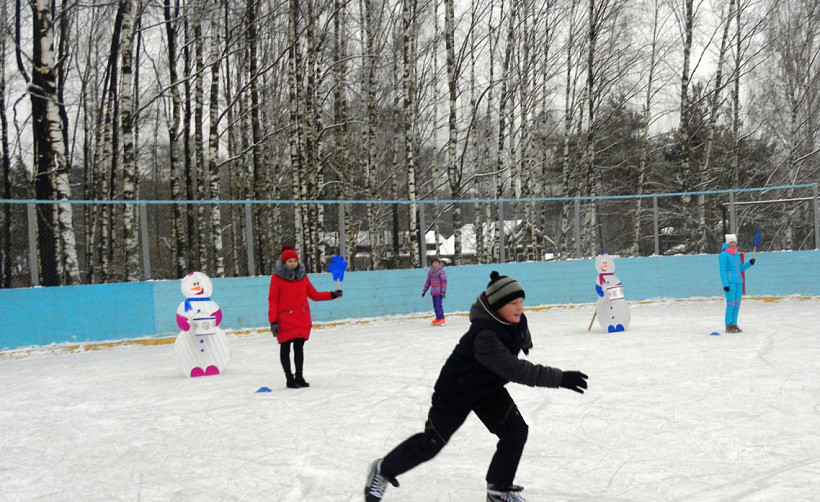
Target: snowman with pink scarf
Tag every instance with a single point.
(201, 347)
(611, 308)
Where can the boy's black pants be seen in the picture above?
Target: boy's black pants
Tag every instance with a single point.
(499, 414)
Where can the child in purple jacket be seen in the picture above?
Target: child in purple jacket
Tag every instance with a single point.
(437, 284)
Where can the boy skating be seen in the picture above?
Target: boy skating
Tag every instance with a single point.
(473, 380)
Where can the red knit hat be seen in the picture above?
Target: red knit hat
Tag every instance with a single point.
(288, 253)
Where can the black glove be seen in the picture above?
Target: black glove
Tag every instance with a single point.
(423, 293)
(442, 296)
(274, 329)
(752, 261)
(336, 294)
(725, 288)
(574, 380)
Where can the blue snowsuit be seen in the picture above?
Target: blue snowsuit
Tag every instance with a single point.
(730, 270)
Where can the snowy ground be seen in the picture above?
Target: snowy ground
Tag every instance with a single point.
(672, 413)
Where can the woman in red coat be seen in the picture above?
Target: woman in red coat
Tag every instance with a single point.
(289, 313)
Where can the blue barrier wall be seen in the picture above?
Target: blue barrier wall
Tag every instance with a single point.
(40, 316)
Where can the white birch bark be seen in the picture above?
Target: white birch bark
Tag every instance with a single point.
(368, 132)
(203, 254)
(654, 47)
(454, 173)
(130, 176)
(213, 142)
(408, 88)
(568, 179)
(502, 164)
(715, 103)
(55, 152)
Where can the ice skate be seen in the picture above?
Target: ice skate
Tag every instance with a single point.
(501, 493)
(377, 483)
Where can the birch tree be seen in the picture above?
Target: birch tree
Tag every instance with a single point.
(454, 173)
(213, 140)
(52, 168)
(501, 163)
(658, 52)
(569, 185)
(5, 161)
(130, 174)
(368, 131)
(408, 32)
(714, 108)
(179, 237)
(687, 176)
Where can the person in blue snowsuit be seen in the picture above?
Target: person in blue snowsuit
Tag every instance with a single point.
(730, 275)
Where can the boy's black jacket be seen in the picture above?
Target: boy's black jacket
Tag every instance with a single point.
(486, 358)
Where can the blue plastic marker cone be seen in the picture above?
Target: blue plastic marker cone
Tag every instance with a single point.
(263, 389)
(714, 333)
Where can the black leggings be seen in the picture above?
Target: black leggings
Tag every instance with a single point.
(298, 356)
(499, 414)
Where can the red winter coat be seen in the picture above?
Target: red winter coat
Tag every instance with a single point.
(288, 302)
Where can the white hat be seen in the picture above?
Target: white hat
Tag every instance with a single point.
(731, 238)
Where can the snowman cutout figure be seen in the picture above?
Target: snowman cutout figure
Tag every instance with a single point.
(611, 309)
(201, 347)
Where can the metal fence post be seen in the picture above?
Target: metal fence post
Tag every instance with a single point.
(342, 234)
(146, 253)
(732, 214)
(655, 225)
(578, 228)
(816, 218)
(249, 239)
(502, 252)
(423, 230)
(33, 264)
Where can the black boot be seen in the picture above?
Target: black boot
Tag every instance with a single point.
(300, 381)
(291, 382)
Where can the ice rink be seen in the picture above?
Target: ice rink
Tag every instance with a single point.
(671, 414)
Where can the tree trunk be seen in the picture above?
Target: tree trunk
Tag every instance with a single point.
(685, 160)
(454, 173)
(213, 142)
(296, 108)
(408, 88)
(568, 184)
(5, 165)
(647, 117)
(714, 107)
(204, 253)
(52, 169)
(734, 162)
(501, 159)
(590, 232)
(263, 246)
(368, 131)
(130, 175)
(179, 237)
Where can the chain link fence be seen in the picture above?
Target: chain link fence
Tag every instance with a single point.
(170, 238)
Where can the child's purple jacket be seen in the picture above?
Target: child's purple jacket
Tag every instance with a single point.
(436, 281)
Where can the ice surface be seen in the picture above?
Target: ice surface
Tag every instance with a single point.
(672, 413)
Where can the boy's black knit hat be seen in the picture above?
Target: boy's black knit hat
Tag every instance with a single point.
(502, 289)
